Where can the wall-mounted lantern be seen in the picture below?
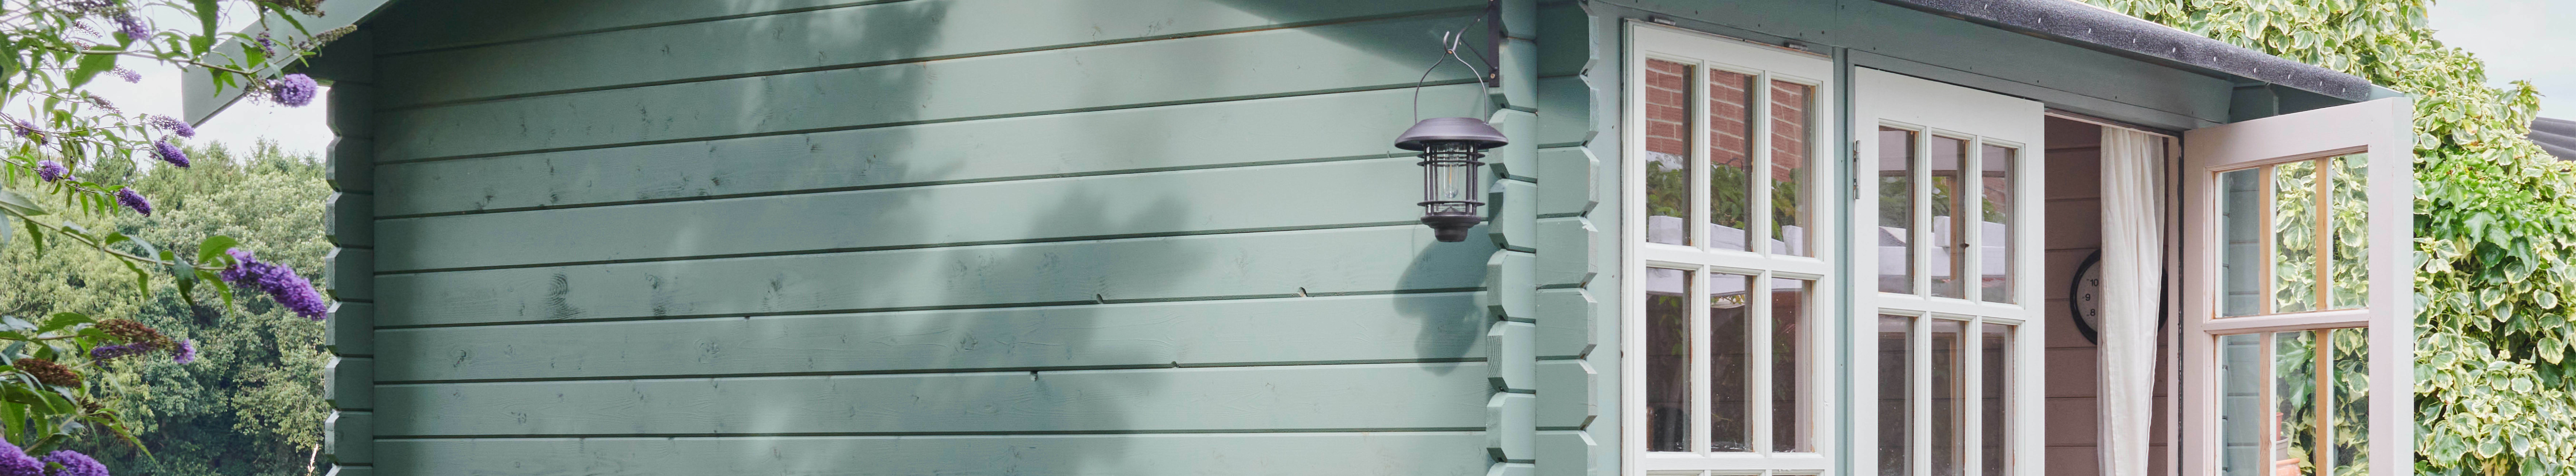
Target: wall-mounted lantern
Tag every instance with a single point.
(1452, 149)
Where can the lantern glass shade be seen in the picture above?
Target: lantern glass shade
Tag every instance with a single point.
(1449, 179)
(1452, 149)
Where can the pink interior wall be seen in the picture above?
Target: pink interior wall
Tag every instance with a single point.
(2074, 230)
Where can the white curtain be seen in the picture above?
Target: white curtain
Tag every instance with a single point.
(2132, 276)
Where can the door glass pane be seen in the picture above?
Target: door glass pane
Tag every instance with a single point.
(1668, 144)
(2350, 407)
(2349, 217)
(1668, 360)
(2294, 236)
(1949, 257)
(1790, 173)
(2240, 224)
(1895, 210)
(2294, 401)
(1730, 365)
(1730, 159)
(1789, 367)
(1994, 344)
(2244, 422)
(1895, 392)
(1995, 231)
(1949, 397)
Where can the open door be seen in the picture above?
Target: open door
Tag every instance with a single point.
(2298, 296)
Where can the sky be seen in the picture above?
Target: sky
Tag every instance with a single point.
(2519, 39)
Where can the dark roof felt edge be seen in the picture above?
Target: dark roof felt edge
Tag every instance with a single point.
(2087, 25)
(2557, 136)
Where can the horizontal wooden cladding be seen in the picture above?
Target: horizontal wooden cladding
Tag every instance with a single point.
(1383, 328)
(1352, 454)
(841, 38)
(1336, 57)
(1377, 191)
(1198, 135)
(1365, 260)
(1359, 397)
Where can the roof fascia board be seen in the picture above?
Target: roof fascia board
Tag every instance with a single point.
(2092, 27)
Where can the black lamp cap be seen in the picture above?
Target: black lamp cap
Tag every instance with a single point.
(1450, 129)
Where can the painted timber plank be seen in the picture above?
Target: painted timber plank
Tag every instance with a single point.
(1564, 111)
(1346, 56)
(1354, 454)
(1371, 259)
(1361, 397)
(1192, 201)
(1564, 391)
(1386, 328)
(1324, 126)
(1956, 44)
(839, 37)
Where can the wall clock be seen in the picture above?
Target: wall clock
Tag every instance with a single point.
(2084, 299)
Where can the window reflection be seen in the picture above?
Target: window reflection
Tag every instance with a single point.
(1668, 142)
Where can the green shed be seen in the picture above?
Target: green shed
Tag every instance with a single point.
(1174, 237)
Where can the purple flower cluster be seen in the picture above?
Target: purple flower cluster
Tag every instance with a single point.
(172, 124)
(279, 282)
(169, 153)
(187, 352)
(132, 27)
(22, 128)
(51, 170)
(15, 462)
(294, 90)
(126, 74)
(112, 352)
(75, 464)
(127, 197)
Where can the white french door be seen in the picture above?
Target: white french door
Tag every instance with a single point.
(1947, 218)
(2298, 340)
(1729, 151)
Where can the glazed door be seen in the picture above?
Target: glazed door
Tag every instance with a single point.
(1728, 150)
(1947, 220)
(2298, 294)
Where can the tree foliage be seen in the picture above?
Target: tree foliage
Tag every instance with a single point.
(250, 404)
(75, 360)
(2495, 226)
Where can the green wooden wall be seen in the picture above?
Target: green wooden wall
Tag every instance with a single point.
(1134, 237)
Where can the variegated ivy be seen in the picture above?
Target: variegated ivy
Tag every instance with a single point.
(2495, 221)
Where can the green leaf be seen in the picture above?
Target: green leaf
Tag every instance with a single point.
(208, 11)
(91, 64)
(21, 206)
(213, 248)
(61, 320)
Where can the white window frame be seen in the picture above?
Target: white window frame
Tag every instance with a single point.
(2026, 315)
(2381, 128)
(1645, 41)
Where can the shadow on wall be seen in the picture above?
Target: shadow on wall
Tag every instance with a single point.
(1069, 354)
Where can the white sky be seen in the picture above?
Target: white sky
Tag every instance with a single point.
(2519, 39)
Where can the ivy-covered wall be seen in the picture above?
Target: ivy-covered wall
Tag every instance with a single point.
(2495, 226)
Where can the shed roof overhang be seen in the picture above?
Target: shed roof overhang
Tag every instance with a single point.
(2071, 22)
(197, 87)
(2065, 21)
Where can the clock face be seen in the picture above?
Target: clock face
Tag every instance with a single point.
(2084, 297)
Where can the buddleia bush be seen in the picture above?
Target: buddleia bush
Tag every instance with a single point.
(2495, 226)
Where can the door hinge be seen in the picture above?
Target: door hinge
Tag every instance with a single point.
(1854, 170)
